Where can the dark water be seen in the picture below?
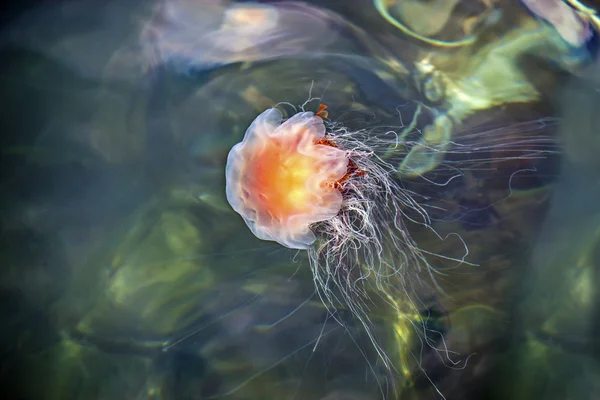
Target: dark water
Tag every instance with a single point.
(126, 274)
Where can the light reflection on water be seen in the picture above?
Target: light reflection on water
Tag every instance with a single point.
(127, 275)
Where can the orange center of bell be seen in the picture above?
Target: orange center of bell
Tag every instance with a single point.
(281, 179)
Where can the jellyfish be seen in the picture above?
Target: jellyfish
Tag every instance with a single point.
(571, 23)
(196, 35)
(311, 184)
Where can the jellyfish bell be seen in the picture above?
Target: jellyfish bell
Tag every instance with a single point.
(193, 35)
(571, 24)
(284, 177)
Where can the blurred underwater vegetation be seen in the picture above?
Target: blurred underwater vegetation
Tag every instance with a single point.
(127, 275)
